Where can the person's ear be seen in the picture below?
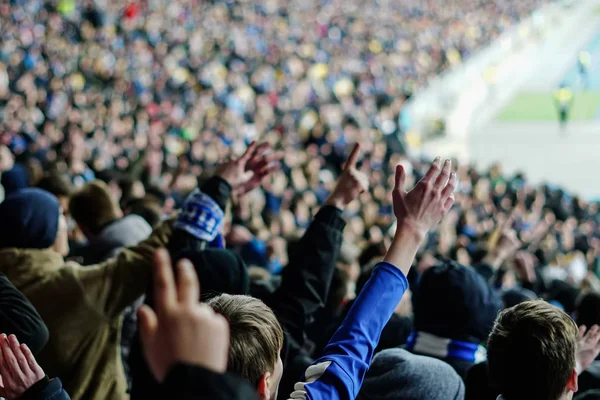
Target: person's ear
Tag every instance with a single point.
(573, 385)
(264, 391)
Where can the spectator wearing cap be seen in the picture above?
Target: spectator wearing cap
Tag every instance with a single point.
(454, 311)
(15, 179)
(81, 306)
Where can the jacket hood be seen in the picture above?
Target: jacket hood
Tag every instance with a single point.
(124, 232)
(26, 267)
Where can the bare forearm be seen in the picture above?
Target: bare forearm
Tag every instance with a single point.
(404, 247)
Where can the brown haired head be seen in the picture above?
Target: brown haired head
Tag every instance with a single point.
(93, 207)
(531, 352)
(256, 336)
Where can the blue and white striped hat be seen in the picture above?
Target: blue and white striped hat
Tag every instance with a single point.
(201, 217)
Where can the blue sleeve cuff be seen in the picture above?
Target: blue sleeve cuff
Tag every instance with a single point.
(392, 269)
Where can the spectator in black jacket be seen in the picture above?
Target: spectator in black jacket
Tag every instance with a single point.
(185, 344)
(305, 281)
(19, 317)
(455, 309)
(197, 236)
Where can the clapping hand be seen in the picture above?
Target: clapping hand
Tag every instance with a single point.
(351, 183)
(18, 369)
(246, 172)
(180, 328)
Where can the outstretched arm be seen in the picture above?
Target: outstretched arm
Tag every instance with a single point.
(306, 280)
(339, 373)
(111, 286)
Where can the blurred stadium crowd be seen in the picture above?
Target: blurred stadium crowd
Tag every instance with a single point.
(148, 95)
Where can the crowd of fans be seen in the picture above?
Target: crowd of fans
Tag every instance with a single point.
(224, 133)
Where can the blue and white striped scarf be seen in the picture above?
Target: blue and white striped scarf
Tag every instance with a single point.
(438, 347)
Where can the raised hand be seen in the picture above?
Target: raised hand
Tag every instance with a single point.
(432, 197)
(525, 266)
(6, 159)
(245, 173)
(18, 368)
(588, 347)
(180, 328)
(504, 243)
(351, 183)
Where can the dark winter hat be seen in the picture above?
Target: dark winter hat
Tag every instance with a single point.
(219, 271)
(563, 293)
(516, 296)
(15, 179)
(454, 302)
(398, 374)
(588, 310)
(29, 220)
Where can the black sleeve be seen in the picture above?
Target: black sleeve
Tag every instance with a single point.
(486, 271)
(218, 189)
(186, 382)
(19, 317)
(306, 280)
(46, 389)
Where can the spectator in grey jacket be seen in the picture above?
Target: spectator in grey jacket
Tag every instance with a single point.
(101, 220)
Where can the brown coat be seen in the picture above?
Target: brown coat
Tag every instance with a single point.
(82, 308)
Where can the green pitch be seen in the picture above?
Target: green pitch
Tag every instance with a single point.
(541, 107)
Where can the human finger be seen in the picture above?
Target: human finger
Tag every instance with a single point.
(444, 176)
(351, 163)
(267, 160)
(432, 172)
(399, 179)
(594, 334)
(261, 148)
(35, 367)
(270, 168)
(148, 323)
(3, 366)
(450, 186)
(10, 360)
(188, 288)
(362, 179)
(582, 330)
(164, 283)
(15, 346)
(448, 203)
(248, 153)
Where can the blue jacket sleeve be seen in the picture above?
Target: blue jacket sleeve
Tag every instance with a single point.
(339, 373)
